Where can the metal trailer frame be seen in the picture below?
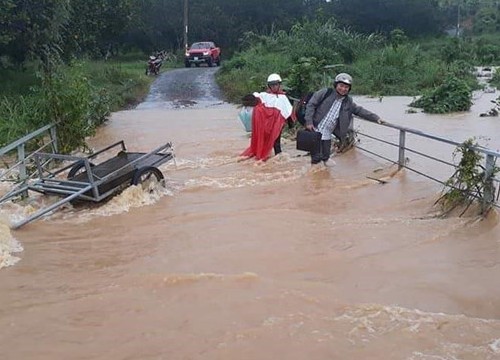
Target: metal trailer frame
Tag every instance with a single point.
(85, 180)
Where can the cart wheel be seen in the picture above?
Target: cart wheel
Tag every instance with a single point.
(78, 168)
(145, 176)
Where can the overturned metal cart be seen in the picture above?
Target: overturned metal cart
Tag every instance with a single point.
(86, 179)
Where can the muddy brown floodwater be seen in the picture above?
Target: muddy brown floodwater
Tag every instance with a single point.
(236, 260)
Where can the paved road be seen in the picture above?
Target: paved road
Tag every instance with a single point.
(184, 88)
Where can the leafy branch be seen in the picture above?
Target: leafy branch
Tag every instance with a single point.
(469, 182)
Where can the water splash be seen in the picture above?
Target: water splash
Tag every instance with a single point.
(8, 245)
(131, 197)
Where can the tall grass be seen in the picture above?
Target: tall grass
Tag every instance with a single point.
(17, 81)
(18, 116)
(403, 70)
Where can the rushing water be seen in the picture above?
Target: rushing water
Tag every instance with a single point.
(246, 260)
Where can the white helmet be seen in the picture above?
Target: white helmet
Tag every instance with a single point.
(343, 78)
(274, 79)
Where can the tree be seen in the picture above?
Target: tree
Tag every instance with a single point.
(33, 28)
(98, 27)
(414, 17)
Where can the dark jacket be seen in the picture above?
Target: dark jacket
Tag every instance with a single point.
(314, 113)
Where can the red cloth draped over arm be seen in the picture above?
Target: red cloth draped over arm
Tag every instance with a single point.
(266, 126)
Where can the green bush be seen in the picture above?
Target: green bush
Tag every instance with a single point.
(453, 95)
(469, 183)
(307, 74)
(71, 102)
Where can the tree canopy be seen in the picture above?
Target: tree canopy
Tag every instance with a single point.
(100, 28)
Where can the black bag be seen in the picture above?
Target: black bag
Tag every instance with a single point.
(308, 140)
(249, 100)
(300, 109)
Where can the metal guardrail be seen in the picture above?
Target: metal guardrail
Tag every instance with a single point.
(489, 197)
(18, 157)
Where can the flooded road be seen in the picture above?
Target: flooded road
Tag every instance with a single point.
(240, 260)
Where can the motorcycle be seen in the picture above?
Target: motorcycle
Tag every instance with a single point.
(154, 65)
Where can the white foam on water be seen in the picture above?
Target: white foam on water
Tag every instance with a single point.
(495, 346)
(253, 172)
(372, 321)
(199, 163)
(217, 161)
(131, 197)
(246, 178)
(8, 245)
(417, 355)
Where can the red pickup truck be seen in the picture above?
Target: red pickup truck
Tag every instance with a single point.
(202, 52)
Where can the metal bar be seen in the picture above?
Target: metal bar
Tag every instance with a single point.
(54, 206)
(405, 166)
(401, 156)
(121, 142)
(379, 140)
(430, 157)
(90, 176)
(489, 190)
(46, 186)
(18, 163)
(53, 139)
(38, 165)
(59, 156)
(438, 138)
(22, 161)
(14, 192)
(24, 139)
(406, 148)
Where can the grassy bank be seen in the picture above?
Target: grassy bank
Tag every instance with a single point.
(79, 97)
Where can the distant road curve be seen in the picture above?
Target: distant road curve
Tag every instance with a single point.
(184, 88)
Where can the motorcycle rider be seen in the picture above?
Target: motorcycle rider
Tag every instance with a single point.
(154, 63)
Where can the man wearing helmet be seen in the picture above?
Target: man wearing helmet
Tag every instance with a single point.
(268, 118)
(332, 113)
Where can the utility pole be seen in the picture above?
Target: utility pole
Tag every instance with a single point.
(185, 24)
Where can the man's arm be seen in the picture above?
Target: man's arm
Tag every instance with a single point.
(365, 114)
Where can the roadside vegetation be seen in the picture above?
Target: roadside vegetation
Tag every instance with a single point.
(439, 69)
(78, 96)
(470, 182)
(72, 62)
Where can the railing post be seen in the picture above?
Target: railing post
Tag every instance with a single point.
(53, 138)
(401, 157)
(489, 191)
(21, 157)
